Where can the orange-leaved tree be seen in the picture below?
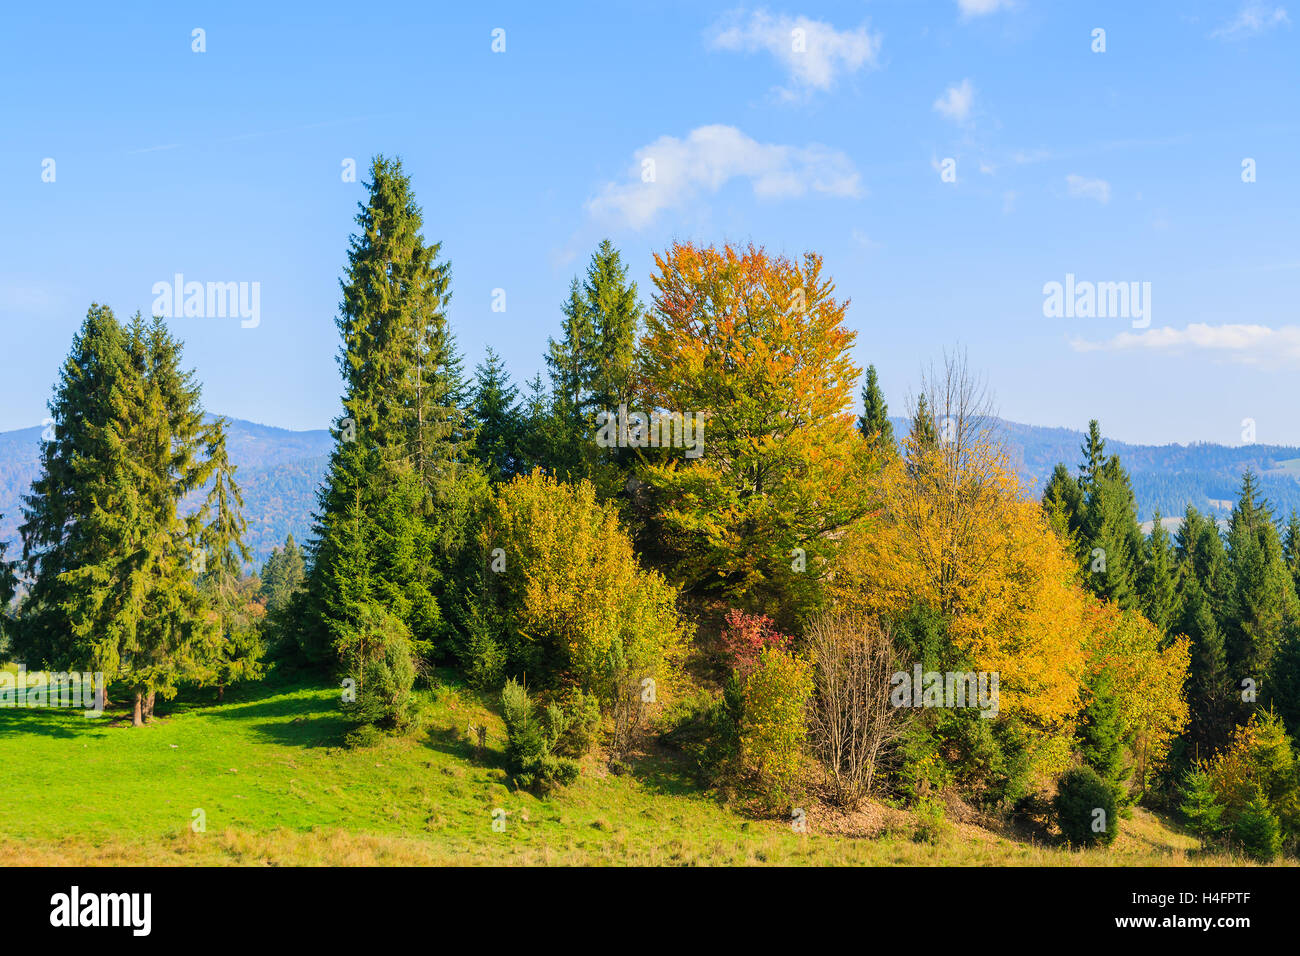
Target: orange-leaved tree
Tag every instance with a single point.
(757, 343)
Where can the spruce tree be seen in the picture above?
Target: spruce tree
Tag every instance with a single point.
(1261, 609)
(1210, 690)
(282, 575)
(1094, 456)
(396, 500)
(590, 368)
(497, 419)
(80, 458)
(401, 371)
(1063, 505)
(1101, 737)
(236, 651)
(8, 587)
(874, 423)
(1158, 580)
(165, 437)
(924, 432)
(113, 564)
(1291, 548)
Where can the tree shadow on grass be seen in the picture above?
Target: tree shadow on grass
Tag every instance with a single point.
(61, 723)
(452, 741)
(291, 720)
(664, 771)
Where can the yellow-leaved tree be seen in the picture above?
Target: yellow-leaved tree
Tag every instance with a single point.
(758, 344)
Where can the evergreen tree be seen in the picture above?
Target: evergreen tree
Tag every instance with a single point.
(1210, 698)
(1291, 547)
(394, 509)
(1063, 504)
(1201, 806)
(1261, 610)
(237, 650)
(591, 370)
(282, 575)
(1094, 456)
(497, 419)
(8, 587)
(874, 423)
(401, 371)
(1158, 579)
(1111, 536)
(164, 434)
(535, 440)
(113, 564)
(924, 431)
(80, 457)
(1101, 737)
(616, 313)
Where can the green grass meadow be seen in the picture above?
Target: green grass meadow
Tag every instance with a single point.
(268, 770)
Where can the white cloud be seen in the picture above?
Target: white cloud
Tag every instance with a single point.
(813, 52)
(865, 241)
(956, 102)
(706, 160)
(1251, 20)
(980, 8)
(1081, 188)
(1245, 344)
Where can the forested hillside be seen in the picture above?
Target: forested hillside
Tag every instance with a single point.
(280, 470)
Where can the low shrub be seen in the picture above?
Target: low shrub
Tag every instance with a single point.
(1086, 808)
(532, 741)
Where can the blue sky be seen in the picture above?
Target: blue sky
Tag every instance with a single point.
(1115, 166)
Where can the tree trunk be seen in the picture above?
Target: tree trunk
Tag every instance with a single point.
(103, 697)
(221, 692)
(136, 719)
(148, 705)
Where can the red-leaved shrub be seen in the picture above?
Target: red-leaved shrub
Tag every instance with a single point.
(745, 636)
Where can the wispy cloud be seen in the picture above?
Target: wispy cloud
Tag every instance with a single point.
(672, 173)
(1244, 344)
(956, 102)
(1252, 20)
(1081, 187)
(981, 8)
(154, 149)
(812, 52)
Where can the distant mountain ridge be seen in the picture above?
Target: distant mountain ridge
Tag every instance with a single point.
(1166, 478)
(280, 471)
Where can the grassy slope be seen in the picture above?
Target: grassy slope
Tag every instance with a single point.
(276, 789)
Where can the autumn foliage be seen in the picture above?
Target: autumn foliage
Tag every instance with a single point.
(759, 344)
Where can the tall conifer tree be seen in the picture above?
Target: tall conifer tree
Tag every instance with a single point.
(874, 423)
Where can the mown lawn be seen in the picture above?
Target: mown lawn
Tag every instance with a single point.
(276, 787)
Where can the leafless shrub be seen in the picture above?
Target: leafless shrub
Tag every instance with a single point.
(853, 722)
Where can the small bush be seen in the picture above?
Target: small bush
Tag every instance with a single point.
(1201, 807)
(774, 724)
(531, 742)
(381, 662)
(931, 825)
(359, 738)
(746, 636)
(1086, 808)
(1258, 831)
